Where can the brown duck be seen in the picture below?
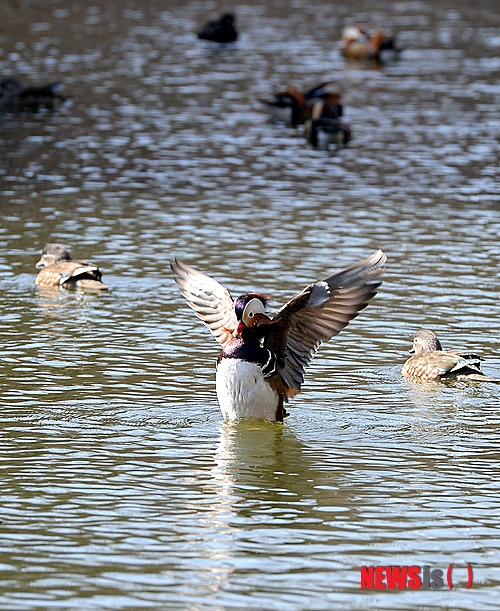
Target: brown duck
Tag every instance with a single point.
(359, 44)
(432, 363)
(59, 269)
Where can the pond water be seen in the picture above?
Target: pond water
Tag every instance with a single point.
(122, 488)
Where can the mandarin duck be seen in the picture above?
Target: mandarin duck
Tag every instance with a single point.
(324, 129)
(356, 43)
(14, 98)
(263, 360)
(220, 30)
(327, 133)
(432, 363)
(59, 269)
(294, 107)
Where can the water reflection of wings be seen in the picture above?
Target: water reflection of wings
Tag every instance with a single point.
(262, 469)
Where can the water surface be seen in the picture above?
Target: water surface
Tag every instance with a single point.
(121, 485)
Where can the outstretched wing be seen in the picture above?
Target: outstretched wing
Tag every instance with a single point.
(210, 301)
(321, 311)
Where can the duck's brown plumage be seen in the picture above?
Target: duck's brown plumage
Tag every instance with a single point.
(432, 363)
(59, 269)
(358, 44)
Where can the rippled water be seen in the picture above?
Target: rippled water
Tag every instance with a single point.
(121, 485)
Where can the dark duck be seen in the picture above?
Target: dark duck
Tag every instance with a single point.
(324, 128)
(263, 360)
(14, 98)
(220, 30)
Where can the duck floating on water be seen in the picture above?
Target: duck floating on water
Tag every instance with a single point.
(59, 269)
(221, 30)
(359, 44)
(293, 107)
(263, 360)
(324, 129)
(14, 98)
(431, 363)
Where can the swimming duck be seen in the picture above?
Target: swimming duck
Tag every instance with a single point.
(220, 30)
(432, 363)
(327, 133)
(294, 107)
(357, 43)
(324, 129)
(14, 98)
(59, 269)
(263, 360)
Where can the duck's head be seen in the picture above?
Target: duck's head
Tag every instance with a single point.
(7, 85)
(53, 253)
(425, 340)
(351, 33)
(227, 19)
(250, 311)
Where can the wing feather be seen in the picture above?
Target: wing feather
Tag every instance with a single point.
(210, 300)
(318, 313)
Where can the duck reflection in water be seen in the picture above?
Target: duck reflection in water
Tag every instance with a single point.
(262, 466)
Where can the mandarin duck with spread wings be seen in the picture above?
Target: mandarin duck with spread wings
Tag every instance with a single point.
(263, 360)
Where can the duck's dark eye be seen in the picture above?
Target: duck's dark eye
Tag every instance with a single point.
(250, 314)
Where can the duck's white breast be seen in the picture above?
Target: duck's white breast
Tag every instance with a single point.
(243, 392)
